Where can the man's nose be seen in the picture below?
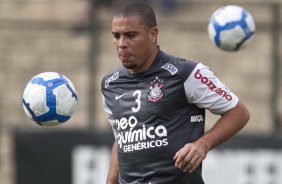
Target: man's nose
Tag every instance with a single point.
(122, 42)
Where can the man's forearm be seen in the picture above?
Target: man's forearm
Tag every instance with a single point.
(189, 157)
(114, 168)
(227, 126)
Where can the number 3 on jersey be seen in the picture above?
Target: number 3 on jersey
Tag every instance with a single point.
(137, 94)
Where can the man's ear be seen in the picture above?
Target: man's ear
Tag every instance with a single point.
(154, 34)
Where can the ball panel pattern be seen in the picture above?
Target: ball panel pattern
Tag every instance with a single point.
(49, 99)
(231, 27)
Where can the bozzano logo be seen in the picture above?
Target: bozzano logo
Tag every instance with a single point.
(212, 86)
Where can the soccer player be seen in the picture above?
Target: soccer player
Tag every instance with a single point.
(156, 105)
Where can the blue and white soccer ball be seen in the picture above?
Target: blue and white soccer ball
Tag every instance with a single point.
(231, 27)
(49, 99)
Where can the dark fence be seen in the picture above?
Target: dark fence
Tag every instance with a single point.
(80, 157)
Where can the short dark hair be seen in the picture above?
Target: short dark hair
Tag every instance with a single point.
(142, 10)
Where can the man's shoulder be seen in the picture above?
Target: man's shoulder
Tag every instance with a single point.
(111, 76)
(177, 65)
(117, 69)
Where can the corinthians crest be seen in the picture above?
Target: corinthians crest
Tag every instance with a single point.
(156, 92)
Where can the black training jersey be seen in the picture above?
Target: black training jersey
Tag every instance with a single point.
(155, 113)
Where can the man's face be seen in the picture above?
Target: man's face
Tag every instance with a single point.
(134, 42)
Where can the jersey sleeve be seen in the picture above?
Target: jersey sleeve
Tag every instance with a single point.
(109, 114)
(205, 90)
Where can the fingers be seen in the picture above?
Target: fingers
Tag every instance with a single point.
(177, 154)
(190, 157)
(192, 165)
(195, 165)
(180, 156)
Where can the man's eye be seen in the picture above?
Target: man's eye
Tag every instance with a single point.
(132, 35)
(116, 36)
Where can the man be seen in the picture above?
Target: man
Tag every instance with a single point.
(156, 105)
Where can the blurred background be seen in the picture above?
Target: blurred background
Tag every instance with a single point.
(73, 37)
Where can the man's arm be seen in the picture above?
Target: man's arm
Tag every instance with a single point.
(114, 168)
(191, 155)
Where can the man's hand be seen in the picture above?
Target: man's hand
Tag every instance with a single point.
(191, 156)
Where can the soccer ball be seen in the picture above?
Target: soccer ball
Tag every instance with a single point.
(49, 99)
(231, 28)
